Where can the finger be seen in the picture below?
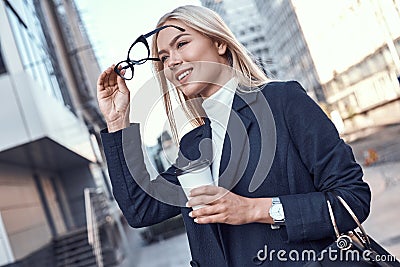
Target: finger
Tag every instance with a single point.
(208, 210)
(113, 75)
(109, 80)
(100, 81)
(122, 85)
(216, 218)
(203, 199)
(205, 190)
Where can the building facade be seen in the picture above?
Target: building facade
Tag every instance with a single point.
(49, 146)
(364, 89)
(367, 93)
(271, 32)
(289, 49)
(245, 21)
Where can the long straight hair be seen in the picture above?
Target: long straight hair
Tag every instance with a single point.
(210, 24)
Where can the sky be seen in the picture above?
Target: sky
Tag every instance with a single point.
(113, 26)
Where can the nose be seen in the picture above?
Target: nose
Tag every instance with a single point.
(174, 60)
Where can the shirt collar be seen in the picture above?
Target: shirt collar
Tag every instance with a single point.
(220, 102)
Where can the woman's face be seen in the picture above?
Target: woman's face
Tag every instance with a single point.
(194, 63)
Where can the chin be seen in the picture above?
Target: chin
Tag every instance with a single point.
(190, 90)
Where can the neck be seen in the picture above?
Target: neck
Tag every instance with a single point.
(224, 77)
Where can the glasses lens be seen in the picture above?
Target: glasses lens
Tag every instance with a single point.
(124, 70)
(138, 53)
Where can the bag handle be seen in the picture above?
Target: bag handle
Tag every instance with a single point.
(333, 219)
(352, 214)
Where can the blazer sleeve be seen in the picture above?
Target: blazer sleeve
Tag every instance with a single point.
(139, 208)
(331, 164)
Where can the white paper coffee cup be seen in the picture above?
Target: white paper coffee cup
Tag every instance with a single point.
(195, 177)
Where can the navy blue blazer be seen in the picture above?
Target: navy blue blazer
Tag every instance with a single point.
(310, 161)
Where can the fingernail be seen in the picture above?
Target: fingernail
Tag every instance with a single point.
(196, 220)
(191, 214)
(187, 204)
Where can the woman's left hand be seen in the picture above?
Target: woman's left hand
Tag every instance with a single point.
(223, 206)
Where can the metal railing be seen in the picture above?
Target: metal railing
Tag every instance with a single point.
(96, 205)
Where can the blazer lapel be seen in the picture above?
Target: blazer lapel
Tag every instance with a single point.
(205, 147)
(200, 147)
(248, 108)
(236, 148)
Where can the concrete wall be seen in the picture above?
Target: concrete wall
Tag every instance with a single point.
(22, 211)
(388, 114)
(32, 114)
(53, 204)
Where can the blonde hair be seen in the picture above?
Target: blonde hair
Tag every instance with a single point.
(210, 24)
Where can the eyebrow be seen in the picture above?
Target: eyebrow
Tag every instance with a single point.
(173, 41)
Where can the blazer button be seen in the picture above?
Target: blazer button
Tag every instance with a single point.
(257, 261)
(194, 263)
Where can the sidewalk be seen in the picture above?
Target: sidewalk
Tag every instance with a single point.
(383, 223)
(173, 252)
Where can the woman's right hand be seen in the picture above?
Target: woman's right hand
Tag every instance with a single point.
(113, 97)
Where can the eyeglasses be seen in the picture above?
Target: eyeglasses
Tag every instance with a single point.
(140, 51)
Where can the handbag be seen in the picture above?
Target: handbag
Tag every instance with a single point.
(354, 248)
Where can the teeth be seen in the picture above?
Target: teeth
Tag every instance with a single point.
(183, 75)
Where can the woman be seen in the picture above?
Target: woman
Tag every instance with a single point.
(250, 214)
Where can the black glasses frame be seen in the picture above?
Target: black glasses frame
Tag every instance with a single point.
(129, 63)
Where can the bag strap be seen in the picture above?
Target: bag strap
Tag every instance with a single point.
(352, 214)
(332, 216)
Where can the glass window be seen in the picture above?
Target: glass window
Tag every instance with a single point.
(33, 49)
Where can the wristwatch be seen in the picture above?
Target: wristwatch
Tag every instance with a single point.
(276, 213)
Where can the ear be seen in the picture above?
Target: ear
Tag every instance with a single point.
(221, 47)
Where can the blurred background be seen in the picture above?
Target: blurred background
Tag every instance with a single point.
(56, 203)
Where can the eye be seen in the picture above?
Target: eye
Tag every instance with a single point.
(163, 59)
(180, 44)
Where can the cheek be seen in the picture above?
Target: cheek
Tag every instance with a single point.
(197, 52)
(168, 74)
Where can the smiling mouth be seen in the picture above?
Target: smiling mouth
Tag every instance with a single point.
(184, 74)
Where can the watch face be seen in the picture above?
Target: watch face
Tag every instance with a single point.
(276, 212)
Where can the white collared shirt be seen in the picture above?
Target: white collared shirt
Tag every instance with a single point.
(218, 108)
